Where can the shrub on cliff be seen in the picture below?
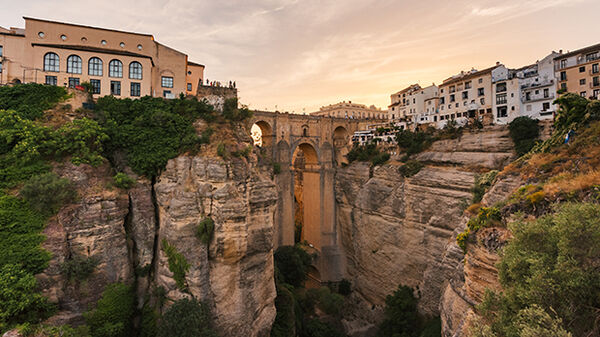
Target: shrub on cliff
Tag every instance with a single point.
(400, 314)
(113, 315)
(368, 152)
(151, 130)
(413, 142)
(178, 264)
(551, 263)
(47, 192)
(524, 132)
(19, 300)
(205, 230)
(30, 100)
(292, 262)
(187, 318)
(232, 112)
(123, 181)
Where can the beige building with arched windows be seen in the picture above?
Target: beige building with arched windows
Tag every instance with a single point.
(350, 110)
(118, 63)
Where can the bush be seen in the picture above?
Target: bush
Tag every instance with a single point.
(285, 320)
(410, 168)
(187, 318)
(232, 113)
(413, 142)
(46, 193)
(178, 264)
(330, 303)
(524, 132)
(345, 287)
(82, 139)
(400, 314)
(151, 130)
(30, 100)
(78, 267)
(19, 300)
(368, 152)
(114, 312)
(222, 151)
(123, 181)
(292, 262)
(205, 230)
(316, 328)
(549, 264)
(20, 236)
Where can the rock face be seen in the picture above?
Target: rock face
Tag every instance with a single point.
(124, 231)
(235, 273)
(394, 230)
(466, 282)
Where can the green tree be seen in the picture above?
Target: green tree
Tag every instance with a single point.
(19, 300)
(292, 262)
(113, 316)
(187, 318)
(400, 314)
(551, 266)
(524, 132)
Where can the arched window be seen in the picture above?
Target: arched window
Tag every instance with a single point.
(135, 70)
(51, 62)
(74, 64)
(95, 66)
(115, 68)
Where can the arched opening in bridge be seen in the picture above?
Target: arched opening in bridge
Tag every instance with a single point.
(341, 143)
(262, 134)
(307, 195)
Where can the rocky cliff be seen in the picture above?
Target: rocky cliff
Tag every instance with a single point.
(398, 230)
(123, 230)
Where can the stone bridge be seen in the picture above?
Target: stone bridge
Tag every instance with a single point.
(308, 150)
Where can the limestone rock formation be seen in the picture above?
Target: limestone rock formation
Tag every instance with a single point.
(235, 273)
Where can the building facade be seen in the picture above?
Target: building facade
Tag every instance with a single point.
(465, 95)
(350, 110)
(579, 71)
(527, 91)
(123, 64)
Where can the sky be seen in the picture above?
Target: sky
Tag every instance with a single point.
(296, 55)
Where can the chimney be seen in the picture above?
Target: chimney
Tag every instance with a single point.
(497, 63)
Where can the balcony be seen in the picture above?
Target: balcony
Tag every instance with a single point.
(595, 85)
(537, 98)
(594, 73)
(538, 84)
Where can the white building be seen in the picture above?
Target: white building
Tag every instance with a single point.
(413, 105)
(527, 91)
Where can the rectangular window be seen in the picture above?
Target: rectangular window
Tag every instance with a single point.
(136, 89)
(502, 112)
(167, 82)
(115, 88)
(595, 69)
(465, 95)
(452, 99)
(480, 91)
(582, 81)
(501, 99)
(452, 89)
(596, 93)
(563, 63)
(501, 87)
(95, 86)
(591, 57)
(596, 81)
(189, 87)
(583, 94)
(468, 85)
(563, 86)
(435, 118)
(528, 96)
(1, 59)
(51, 80)
(480, 80)
(546, 93)
(167, 94)
(545, 106)
(73, 81)
(482, 101)
(563, 75)
(582, 69)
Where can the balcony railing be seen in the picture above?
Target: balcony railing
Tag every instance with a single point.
(538, 84)
(537, 98)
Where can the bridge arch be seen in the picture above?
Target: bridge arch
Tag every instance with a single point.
(341, 141)
(262, 133)
(307, 194)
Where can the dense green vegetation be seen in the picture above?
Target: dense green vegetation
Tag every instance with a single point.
(410, 168)
(205, 230)
(548, 272)
(401, 318)
(78, 268)
(524, 132)
(30, 100)
(295, 304)
(123, 181)
(368, 152)
(113, 315)
(413, 142)
(47, 192)
(187, 318)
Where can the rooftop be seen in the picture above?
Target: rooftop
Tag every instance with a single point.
(84, 26)
(589, 49)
